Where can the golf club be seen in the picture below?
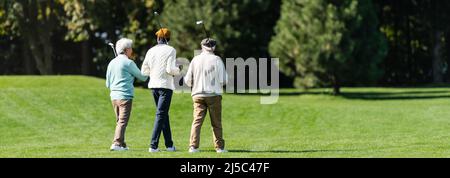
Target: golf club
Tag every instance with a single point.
(112, 46)
(160, 26)
(206, 33)
(200, 22)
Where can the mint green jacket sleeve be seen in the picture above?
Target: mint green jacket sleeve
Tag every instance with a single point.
(134, 70)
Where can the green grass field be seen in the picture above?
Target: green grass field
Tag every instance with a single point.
(71, 116)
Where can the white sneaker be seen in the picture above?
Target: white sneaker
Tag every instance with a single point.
(118, 148)
(171, 149)
(221, 151)
(193, 150)
(151, 150)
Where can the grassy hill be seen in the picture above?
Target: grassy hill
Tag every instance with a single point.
(72, 116)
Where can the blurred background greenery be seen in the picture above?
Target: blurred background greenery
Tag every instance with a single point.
(320, 43)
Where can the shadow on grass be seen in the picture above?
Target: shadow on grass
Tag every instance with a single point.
(380, 95)
(287, 151)
(369, 95)
(407, 95)
(438, 92)
(285, 93)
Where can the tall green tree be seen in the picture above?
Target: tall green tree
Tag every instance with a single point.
(242, 28)
(329, 43)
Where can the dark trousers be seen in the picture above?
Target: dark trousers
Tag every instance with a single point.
(162, 99)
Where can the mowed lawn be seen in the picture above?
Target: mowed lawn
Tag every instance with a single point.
(72, 116)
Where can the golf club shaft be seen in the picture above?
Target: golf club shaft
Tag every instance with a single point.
(114, 50)
(160, 27)
(206, 32)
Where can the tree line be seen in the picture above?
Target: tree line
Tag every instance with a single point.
(320, 43)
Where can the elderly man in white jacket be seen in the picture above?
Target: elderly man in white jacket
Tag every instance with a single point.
(207, 76)
(159, 64)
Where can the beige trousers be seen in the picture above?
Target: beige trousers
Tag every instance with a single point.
(201, 105)
(122, 109)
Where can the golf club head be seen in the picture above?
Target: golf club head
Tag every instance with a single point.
(200, 22)
(112, 47)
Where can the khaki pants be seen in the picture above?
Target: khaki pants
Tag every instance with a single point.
(201, 105)
(122, 109)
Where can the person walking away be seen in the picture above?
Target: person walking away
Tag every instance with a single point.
(119, 79)
(207, 76)
(160, 65)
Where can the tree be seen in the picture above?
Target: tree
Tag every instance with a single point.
(35, 22)
(42, 29)
(181, 16)
(79, 29)
(436, 12)
(328, 42)
(91, 22)
(242, 28)
(418, 40)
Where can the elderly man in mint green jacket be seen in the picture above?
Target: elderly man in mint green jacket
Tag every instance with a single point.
(119, 79)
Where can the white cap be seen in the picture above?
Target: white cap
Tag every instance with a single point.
(123, 44)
